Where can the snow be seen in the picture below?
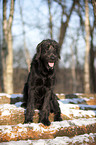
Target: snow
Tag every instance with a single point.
(82, 106)
(6, 128)
(18, 104)
(57, 125)
(16, 95)
(5, 113)
(72, 110)
(11, 96)
(81, 139)
(4, 94)
(83, 121)
(74, 100)
(6, 109)
(52, 128)
(82, 114)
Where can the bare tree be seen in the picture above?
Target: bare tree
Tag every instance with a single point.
(87, 51)
(73, 69)
(7, 50)
(64, 25)
(27, 54)
(94, 8)
(1, 71)
(50, 19)
(1, 67)
(92, 59)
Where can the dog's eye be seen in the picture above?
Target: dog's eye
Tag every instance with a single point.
(47, 47)
(43, 50)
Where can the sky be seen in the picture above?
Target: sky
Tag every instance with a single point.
(35, 16)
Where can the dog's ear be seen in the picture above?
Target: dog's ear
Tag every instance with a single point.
(57, 47)
(38, 49)
(58, 50)
(58, 54)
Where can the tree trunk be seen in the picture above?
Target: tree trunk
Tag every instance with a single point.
(9, 65)
(87, 51)
(27, 54)
(64, 25)
(1, 72)
(73, 70)
(5, 47)
(50, 20)
(7, 53)
(92, 59)
(94, 8)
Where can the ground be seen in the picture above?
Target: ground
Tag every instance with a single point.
(78, 125)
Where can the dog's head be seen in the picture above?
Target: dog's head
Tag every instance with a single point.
(48, 53)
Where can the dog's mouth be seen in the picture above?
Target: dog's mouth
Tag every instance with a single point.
(51, 64)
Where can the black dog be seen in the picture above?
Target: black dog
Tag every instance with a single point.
(38, 91)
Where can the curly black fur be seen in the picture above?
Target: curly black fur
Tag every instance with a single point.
(38, 90)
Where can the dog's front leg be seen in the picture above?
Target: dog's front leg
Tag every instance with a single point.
(55, 108)
(44, 114)
(30, 106)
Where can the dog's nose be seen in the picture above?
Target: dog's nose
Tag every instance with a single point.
(52, 57)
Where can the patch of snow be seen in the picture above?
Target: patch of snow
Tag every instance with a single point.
(74, 106)
(6, 128)
(83, 121)
(82, 113)
(81, 139)
(5, 113)
(83, 106)
(16, 95)
(18, 104)
(57, 125)
(78, 94)
(57, 94)
(6, 109)
(4, 94)
(22, 129)
(74, 100)
(62, 94)
(72, 110)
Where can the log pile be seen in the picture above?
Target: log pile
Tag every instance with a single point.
(78, 120)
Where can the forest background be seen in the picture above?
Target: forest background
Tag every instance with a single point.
(25, 23)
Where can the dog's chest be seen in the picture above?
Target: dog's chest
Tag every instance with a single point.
(45, 82)
(48, 82)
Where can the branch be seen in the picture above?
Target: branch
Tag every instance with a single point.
(64, 25)
(50, 19)
(94, 8)
(4, 20)
(11, 15)
(27, 54)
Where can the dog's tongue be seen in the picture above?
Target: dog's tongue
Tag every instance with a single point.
(51, 64)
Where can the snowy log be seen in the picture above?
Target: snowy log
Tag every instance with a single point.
(39, 131)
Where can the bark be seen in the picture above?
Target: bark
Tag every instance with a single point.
(92, 52)
(1, 72)
(4, 49)
(7, 53)
(50, 19)
(92, 69)
(87, 51)
(9, 65)
(94, 9)
(73, 69)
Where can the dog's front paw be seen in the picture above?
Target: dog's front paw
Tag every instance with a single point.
(46, 122)
(56, 118)
(28, 120)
